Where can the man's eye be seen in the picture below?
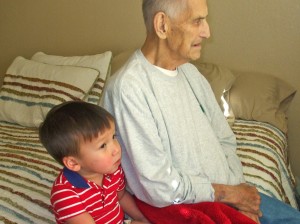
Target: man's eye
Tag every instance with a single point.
(199, 21)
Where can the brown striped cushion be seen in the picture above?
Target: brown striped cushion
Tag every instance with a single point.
(31, 88)
(27, 172)
(100, 62)
(262, 149)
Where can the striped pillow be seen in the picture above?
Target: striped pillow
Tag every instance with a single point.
(100, 62)
(262, 149)
(30, 89)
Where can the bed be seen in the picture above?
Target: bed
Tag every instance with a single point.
(254, 104)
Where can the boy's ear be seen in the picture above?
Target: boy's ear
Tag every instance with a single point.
(161, 25)
(71, 163)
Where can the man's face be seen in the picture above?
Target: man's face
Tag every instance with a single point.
(187, 32)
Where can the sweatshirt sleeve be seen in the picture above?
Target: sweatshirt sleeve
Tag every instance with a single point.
(225, 135)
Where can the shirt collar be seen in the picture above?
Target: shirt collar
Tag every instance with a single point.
(171, 73)
(75, 179)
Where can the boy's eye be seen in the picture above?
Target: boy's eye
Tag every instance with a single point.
(103, 146)
(114, 136)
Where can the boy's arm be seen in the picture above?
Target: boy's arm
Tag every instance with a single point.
(129, 206)
(85, 218)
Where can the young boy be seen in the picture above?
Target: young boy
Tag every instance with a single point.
(91, 186)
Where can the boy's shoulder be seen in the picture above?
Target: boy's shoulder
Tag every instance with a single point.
(60, 182)
(68, 179)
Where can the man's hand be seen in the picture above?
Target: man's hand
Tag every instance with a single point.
(243, 197)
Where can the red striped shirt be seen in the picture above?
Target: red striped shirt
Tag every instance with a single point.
(72, 195)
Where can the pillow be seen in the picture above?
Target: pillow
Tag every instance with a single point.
(31, 89)
(261, 97)
(99, 62)
(219, 77)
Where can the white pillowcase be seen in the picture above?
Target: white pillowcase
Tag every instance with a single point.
(31, 89)
(99, 62)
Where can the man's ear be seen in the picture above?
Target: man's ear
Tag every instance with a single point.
(161, 24)
(71, 163)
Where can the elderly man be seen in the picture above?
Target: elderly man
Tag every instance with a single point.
(177, 145)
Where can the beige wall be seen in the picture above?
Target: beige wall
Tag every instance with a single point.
(67, 27)
(251, 35)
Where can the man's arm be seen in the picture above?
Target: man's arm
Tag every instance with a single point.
(237, 194)
(225, 136)
(222, 130)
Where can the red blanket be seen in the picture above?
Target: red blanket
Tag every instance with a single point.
(200, 213)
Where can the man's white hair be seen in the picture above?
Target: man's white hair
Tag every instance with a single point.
(171, 8)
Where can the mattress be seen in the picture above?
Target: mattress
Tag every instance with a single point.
(27, 170)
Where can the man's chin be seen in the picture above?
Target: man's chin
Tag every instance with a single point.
(195, 57)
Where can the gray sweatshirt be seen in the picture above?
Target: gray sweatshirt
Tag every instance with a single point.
(175, 140)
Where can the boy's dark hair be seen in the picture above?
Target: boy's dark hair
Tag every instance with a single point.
(67, 124)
